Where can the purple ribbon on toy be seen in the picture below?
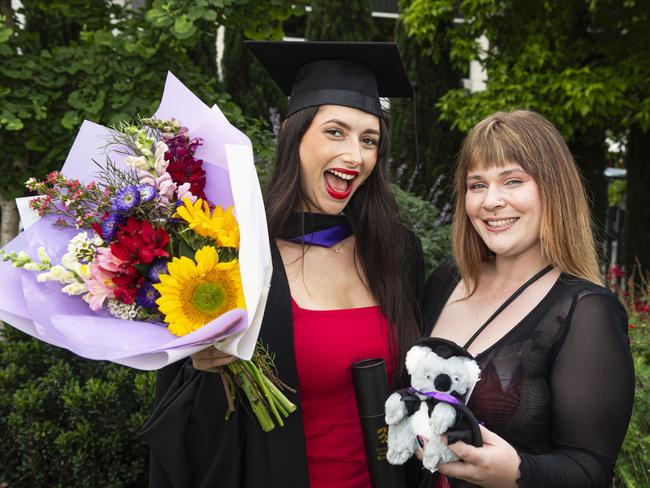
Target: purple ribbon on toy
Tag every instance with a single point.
(326, 237)
(442, 397)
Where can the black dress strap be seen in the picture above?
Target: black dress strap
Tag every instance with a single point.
(511, 299)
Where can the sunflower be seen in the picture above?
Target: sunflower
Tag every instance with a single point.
(194, 293)
(220, 225)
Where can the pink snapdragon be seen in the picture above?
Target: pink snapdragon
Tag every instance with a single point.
(163, 184)
(160, 163)
(184, 192)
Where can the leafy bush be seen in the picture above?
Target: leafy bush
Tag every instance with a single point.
(422, 217)
(69, 422)
(633, 465)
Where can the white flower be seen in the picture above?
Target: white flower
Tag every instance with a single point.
(122, 310)
(62, 275)
(33, 267)
(82, 247)
(42, 255)
(136, 163)
(160, 163)
(75, 289)
(43, 277)
(69, 260)
(57, 273)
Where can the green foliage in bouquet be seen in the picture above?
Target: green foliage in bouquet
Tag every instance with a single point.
(68, 422)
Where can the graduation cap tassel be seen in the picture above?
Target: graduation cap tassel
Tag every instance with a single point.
(416, 171)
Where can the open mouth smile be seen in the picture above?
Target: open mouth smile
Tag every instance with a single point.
(496, 225)
(338, 182)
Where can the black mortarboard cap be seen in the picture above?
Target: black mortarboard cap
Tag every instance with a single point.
(353, 74)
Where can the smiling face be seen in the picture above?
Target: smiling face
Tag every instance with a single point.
(503, 204)
(337, 154)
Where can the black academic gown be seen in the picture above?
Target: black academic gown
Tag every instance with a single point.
(191, 444)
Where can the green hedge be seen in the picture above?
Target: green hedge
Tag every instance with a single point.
(69, 422)
(633, 465)
(422, 216)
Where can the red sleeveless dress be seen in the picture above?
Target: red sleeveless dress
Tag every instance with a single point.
(327, 342)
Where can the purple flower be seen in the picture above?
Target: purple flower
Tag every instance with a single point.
(159, 267)
(147, 296)
(110, 226)
(147, 193)
(126, 199)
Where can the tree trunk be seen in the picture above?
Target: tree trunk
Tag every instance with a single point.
(636, 238)
(9, 220)
(590, 152)
(7, 11)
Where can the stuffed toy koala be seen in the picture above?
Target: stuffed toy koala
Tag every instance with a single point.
(443, 375)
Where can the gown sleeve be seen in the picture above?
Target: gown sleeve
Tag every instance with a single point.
(592, 392)
(164, 379)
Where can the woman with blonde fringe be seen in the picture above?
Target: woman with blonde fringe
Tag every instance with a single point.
(525, 297)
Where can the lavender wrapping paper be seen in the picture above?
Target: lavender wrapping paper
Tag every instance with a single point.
(42, 311)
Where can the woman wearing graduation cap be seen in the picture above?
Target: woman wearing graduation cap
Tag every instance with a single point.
(344, 288)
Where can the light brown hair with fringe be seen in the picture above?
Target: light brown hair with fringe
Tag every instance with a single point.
(528, 139)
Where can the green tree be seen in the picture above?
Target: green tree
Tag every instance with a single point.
(581, 64)
(340, 20)
(247, 82)
(99, 61)
(428, 64)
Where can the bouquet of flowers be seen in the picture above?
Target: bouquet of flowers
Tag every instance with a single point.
(149, 247)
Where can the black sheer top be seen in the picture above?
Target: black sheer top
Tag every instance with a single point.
(559, 386)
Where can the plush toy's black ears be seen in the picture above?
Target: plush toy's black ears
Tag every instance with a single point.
(444, 348)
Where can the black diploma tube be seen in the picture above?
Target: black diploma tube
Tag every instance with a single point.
(371, 388)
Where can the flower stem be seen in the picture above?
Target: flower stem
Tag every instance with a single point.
(246, 383)
(264, 397)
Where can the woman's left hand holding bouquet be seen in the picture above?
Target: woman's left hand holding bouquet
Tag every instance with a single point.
(210, 359)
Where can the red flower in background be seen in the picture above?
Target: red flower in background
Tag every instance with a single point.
(183, 167)
(137, 242)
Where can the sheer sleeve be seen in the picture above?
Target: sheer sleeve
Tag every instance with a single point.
(592, 385)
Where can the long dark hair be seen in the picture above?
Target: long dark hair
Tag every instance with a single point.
(381, 243)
